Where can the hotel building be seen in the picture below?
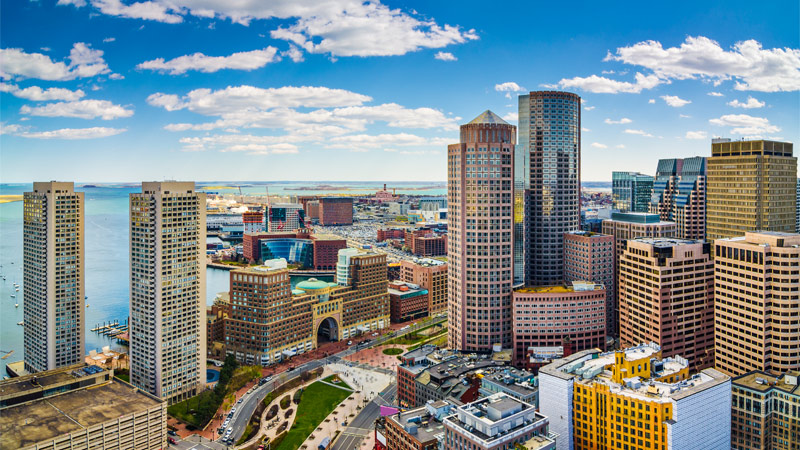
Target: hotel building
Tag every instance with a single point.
(53, 276)
(494, 423)
(756, 284)
(679, 195)
(751, 186)
(630, 191)
(79, 407)
(479, 245)
(634, 398)
(590, 256)
(666, 296)
(765, 411)
(547, 185)
(550, 316)
(269, 321)
(168, 290)
(430, 274)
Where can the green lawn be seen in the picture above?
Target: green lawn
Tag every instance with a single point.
(318, 401)
(124, 377)
(392, 351)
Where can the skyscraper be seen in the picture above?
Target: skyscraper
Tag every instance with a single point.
(751, 186)
(54, 276)
(666, 296)
(797, 208)
(547, 186)
(168, 290)
(679, 195)
(630, 191)
(590, 257)
(755, 303)
(479, 247)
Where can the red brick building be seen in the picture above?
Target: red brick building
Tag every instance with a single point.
(335, 211)
(430, 274)
(426, 243)
(326, 246)
(407, 302)
(391, 233)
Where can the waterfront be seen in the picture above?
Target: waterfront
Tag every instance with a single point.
(106, 230)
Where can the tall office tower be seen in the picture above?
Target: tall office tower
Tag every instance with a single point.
(624, 226)
(755, 303)
(479, 247)
(590, 257)
(666, 296)
(547, 185)
(797, 210)
(679, 195)
(285, 217)
(630, 191)
(53, 274)
(751, 186)
(168, 290)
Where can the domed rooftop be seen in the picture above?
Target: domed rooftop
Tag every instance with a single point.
(489, 117)
(312, 284)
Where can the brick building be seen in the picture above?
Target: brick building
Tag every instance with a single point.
(324, 248)
(407, 301)
(430, 274)
(425, 242)
(335, 211)
(764, 411)
(590, 256)
(390, 233)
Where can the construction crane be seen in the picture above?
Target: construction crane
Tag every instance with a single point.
(241, 196)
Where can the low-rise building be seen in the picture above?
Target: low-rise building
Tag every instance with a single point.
(390, 233)
(311, 251)
(517, 383)
(79, 407)
(547, 316)
(634, 398)
(425, 242)
(765, 411)
(419, 428)
(407, 301)
(494, 423)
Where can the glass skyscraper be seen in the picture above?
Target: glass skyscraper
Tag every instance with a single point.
(631, 191)
(547, 184)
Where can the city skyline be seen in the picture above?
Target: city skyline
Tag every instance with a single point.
(366, 105)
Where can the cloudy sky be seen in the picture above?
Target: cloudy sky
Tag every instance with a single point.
(120, 90)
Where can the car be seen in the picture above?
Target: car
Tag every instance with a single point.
(241, 399)
(349, 342)
(233, 410)
(290, 369)
(229, 431)
(172, 433)
(172, 441)
(269, 378)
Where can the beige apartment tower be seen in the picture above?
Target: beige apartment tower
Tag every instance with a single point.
(756, 284)
(666, 296)
(751, 186)
(168, 290)
(53, 276)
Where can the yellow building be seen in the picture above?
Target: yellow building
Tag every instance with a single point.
(751, 186)
(634, 399)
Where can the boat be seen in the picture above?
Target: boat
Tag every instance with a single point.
(16, 305)
(22, 324)
(13, 295)
(16, 290)
(87, 305)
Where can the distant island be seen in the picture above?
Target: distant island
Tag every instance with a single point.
(10, 198)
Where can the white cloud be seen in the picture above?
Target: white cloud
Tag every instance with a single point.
(603, 85)
(589, 108)
(234, 99)
(623, 121)
(508, 87)
(651, 101)
(638, 132)
(84, 63)
(263, 149)
(238, 61)
(116, 76)
(716, 94)
(599, 145)
(684, 116)
(751, 66)
(83, 109)
(398, 116)
(294, 53)
(696, 135)
(380, 140)
(675, 101)
(149, 10)
(78, 3)
(511, 117)
(746, 125)
(751, 103)
(109, 39)
(10, 128)
(37, 94)
(445, 56)
(585, 130)
(620, 146)
(74, 133)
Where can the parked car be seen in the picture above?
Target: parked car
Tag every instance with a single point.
(172, 441)
(240, 400)
(172, 433)
(269, 378)
(349, 342)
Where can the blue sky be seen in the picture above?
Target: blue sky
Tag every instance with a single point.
(113, 90)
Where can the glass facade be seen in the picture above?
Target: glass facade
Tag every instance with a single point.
(294, 251)
(631, 191)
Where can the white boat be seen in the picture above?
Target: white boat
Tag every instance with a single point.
(16, 305)
(13, 295)
(16, 290)
(22, 324)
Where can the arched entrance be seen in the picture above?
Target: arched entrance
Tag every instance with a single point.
(328, 331)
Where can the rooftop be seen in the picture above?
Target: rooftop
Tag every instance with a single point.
(577, 286)
(40, 420)
(638, 217)
(488, 117)
(666, 242)
(763, 381)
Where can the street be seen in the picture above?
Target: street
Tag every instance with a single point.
(362, 424)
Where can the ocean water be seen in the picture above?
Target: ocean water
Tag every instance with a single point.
(106, 230)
